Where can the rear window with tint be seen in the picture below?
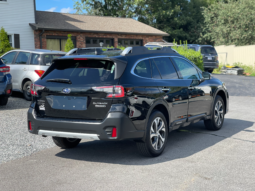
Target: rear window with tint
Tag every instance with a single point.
(83, 71)
(47, 58)
(208, 50)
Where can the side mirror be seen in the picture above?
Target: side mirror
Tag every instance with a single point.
(206, 75)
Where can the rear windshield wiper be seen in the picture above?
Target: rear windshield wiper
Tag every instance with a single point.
(67, 81)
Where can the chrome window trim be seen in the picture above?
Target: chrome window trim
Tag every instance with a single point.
(133, 68)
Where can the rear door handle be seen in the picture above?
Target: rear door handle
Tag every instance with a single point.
(24, 69)
(191, 88)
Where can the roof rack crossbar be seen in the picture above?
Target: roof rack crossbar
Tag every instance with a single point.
(145, 50)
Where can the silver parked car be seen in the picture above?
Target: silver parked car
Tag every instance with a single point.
(27, 66)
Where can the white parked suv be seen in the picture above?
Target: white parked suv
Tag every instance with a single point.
(27, 66)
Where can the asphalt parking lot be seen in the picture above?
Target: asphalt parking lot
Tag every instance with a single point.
(194, 159)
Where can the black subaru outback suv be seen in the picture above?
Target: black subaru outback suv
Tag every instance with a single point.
(140, 95)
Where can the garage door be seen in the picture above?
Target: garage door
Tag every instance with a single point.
(130, 42)
(95, 42)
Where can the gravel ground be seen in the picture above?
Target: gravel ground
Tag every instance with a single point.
(15, 141)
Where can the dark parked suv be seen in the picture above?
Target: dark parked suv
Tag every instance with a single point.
(5, 83)
(210, 56)
(140, 95)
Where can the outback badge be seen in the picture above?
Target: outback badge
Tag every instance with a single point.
(66, 90)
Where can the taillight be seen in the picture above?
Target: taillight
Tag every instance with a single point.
(5, 69)
(114, 132)
(112, 91)
(8, 91)
(30, 126)
(39, 72)
(216, 58)
(35, 88)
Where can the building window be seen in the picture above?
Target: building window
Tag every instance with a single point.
(129, 42)
(95, 42)
(10, 39)
(58, 42)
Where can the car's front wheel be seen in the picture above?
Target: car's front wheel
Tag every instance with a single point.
(156, 136)
(66, 143)
(217, 116)
(3, 100)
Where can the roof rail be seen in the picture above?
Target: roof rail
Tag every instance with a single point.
(145, 50)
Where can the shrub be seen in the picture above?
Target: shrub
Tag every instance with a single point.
(69, 44)
(192, 55)
(4, 42)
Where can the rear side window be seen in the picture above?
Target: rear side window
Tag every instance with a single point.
(82, 71)
(186, 69)
(35, 59)
(22, 58)
(208, 50)
(166, 68)
(143, 69)
(47, 58)
(8, 58)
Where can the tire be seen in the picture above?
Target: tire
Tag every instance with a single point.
(216, 123)
(210, 70)
(3, 100)
(153, 145)
(26, 91)
(66, 143)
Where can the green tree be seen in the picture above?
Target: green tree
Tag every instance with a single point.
(69, 43)
(182, 19)
(4, 42)
(230, 22)
(115, 8)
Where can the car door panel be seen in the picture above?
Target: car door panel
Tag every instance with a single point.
(199, 93)
(19, 69)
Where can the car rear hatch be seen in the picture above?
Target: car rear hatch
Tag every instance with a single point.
(209, 54)
(78, 88)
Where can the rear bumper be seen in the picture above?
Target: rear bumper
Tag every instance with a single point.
(4, 87)
(211, 65)
(71, 128)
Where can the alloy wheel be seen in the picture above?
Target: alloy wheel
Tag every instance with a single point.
(218, 113)
(157, 133)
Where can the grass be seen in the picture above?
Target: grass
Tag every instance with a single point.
(248, 70)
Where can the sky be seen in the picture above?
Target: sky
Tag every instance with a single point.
(64, 6)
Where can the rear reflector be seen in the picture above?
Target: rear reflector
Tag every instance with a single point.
(5, 69)
(80, 59)
(39, 72)
(8, 91)
(35, 88)
(30, 126)
(114, 132)
(112, 91)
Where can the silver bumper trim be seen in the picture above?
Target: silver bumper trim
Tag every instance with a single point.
(68, 135)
